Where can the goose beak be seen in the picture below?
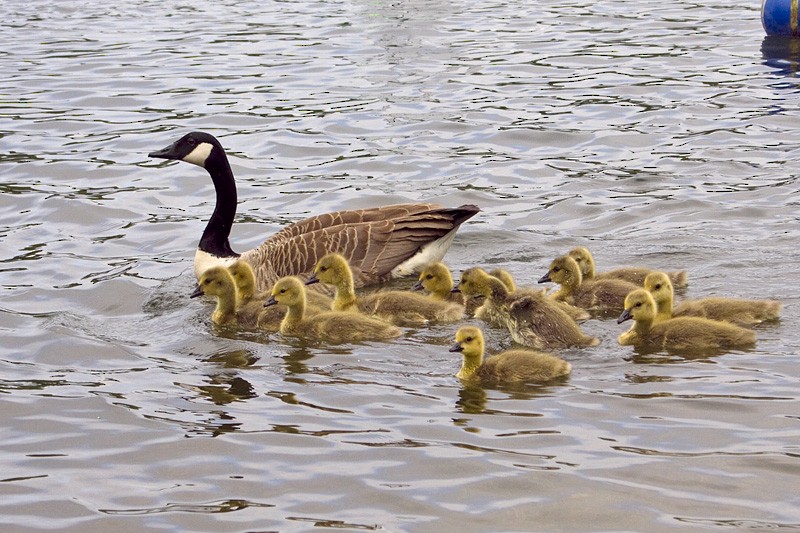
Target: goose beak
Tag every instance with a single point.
(170, 152)
(626, 315)
(545, 278)
(271, 301)
(312, 280)
(456, 348)
(417, 286)
(197, 292)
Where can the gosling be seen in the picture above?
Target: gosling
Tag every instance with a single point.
(332, 327)
(532, 320)
(682, 333)
(217, 281)
(635, 275)
(742, 312)
(603, 295)
(402, 308)
(521, 366)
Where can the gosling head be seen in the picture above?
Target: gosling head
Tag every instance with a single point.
(474, 282)
(435, 278)
(639, 306)
(333, 268)
(196, 147)
(564, 271)
(469, 341)
(506, 277)
(288, 291)
(215, 281)
(659, 285)
(584, 258)
(244, 277)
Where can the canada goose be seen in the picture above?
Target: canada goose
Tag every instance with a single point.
(533, 320)
(245, 280)
(682, 333)
(333, 327)
(599, 294)
(576, 313)
(218, 281)
(739, 311)
(383, 242)
(635, 275)
(398, 307)
(507, 366)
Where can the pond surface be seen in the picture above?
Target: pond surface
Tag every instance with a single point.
(655, 133)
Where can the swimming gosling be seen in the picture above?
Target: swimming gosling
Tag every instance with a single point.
(509, 366)
(332, 327)
(598, 295)
(682, 333)
(739, 311)
(532, 320)
(402, 308)
(635, 275)
(218, 282)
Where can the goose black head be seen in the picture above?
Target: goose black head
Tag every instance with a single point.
(195, 147)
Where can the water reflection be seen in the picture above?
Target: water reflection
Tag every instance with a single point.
(782, 54)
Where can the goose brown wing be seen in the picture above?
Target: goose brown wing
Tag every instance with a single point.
(373, 248)
(353, 216)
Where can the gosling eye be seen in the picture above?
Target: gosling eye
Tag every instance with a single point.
(658, 286)
(429, 276)
(468, 339)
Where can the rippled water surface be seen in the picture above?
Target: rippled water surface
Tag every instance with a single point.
(658, 133)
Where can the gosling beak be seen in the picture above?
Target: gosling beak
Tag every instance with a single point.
(271, 301)
(417, 286)
(197, 292)
(456, 348)
(545, 278)
(457, 288)
(170, 152)
(312, 280)
(626, 315)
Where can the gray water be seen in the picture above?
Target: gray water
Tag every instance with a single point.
(655, 133)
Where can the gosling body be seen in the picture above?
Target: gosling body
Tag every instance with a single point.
(605, 295)
(403, 308)
(532, 320)
(218, 282)
(333, 327)
(680, 334)
(511, 366)
(635, 275)
(743, 312)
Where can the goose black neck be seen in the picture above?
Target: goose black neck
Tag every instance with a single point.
(215, 237)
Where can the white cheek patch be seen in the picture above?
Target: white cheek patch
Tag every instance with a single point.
(199, 155)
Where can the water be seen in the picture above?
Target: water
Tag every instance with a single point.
(658, 133)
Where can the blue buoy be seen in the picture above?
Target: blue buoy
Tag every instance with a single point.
(780, 17)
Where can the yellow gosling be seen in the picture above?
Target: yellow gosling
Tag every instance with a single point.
(598, 295)
(683, 333)
(333, 327)
(438, 282)
(532, 320)
(635, 275)
(402, 308)
(521, 366)
(576, 313)
(218, 282)
(740, 311)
